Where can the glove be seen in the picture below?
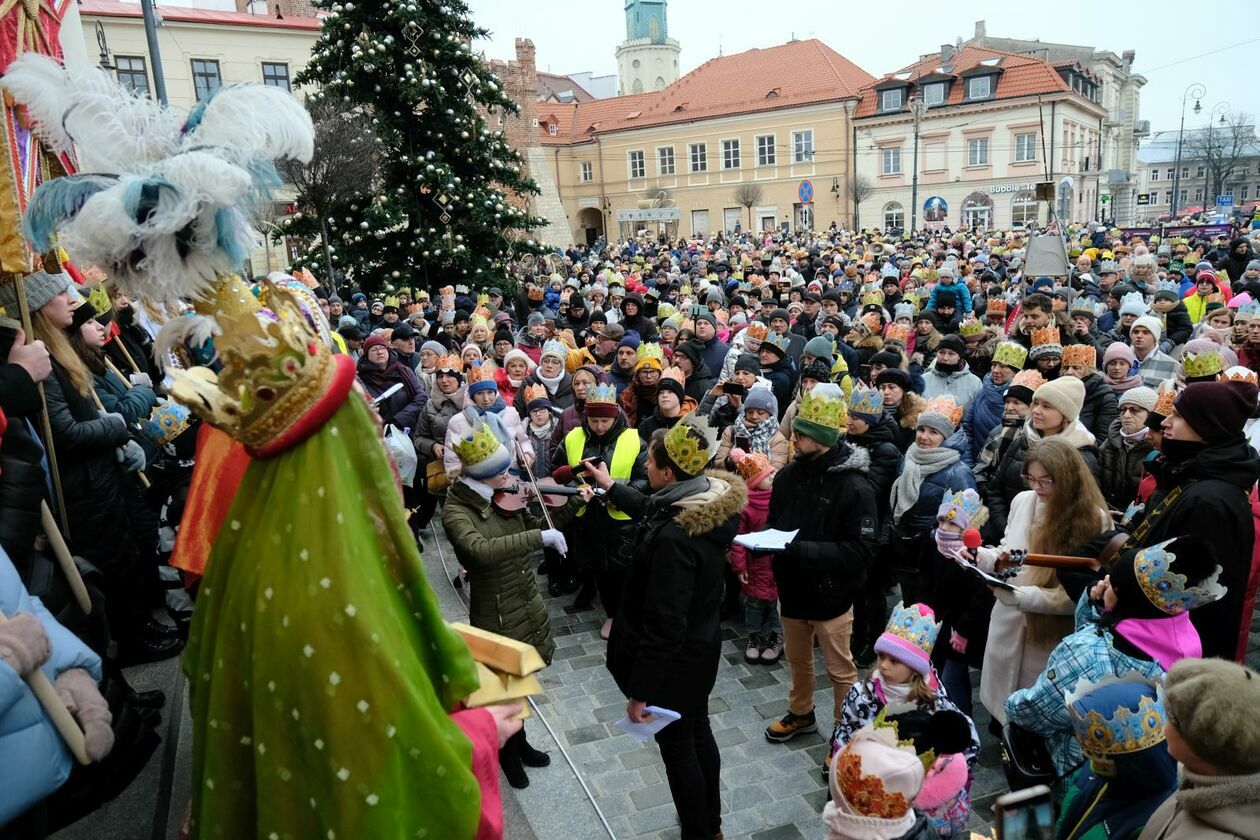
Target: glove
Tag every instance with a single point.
(551, 538)
(142, 379)
(957, 641)
(23, 643)
(78, 691)
(131, 456)
(1006, 596)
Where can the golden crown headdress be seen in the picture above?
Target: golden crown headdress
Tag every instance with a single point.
(649, 353)
(823, 410)
(98, 297)
(691, 443)
(1197, 365)
(479, 448)
(1116, 716)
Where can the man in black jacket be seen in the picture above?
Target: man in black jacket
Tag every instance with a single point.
(826, 493)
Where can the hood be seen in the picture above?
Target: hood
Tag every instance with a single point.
(1233, 461)
(883, 431)
(846, 457)
(715, 511)
(952, 377)
(985, 348)
(632, 297)
(959, 443)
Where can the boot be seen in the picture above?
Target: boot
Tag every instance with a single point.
(772, 648)
(752, 653)
(531, 756)
(513, 771)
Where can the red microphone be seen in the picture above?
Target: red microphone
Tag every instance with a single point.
(972, 539)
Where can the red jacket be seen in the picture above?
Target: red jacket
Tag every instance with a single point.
(759, 566)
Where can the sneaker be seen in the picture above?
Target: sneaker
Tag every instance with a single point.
(790, 726)
(752, 653)
(772, 648)
(826, 768)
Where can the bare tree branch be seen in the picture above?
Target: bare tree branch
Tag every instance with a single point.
(860, 189)
(344, 164)
(749, 195)
(1222, 149)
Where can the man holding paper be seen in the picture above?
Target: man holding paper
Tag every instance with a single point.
(825, 494)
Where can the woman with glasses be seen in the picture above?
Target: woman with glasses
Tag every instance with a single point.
(1126, 448)
(1061, 510)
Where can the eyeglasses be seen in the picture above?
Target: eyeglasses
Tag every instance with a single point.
(1045, 482)
(1131, 409)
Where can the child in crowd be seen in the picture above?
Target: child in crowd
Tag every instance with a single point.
(540, 426)
(755, 571)
(874, 781)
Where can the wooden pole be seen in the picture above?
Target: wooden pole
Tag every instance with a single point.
(125, 380)
(144, 479)
(64, 559)
(61, 717)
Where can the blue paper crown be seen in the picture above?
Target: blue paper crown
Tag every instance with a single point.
(556, 349)
(965, 502)
(166, 422)
(1116, 716)
(866, 401)
(1168, 286)
(1165, 588)
(602, 394)
(908, 624)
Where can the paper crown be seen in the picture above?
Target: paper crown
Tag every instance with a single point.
(914, 627)
(756, 331)
(897, 332)
(450, 363)
(1249, 310)
(970, 328)
(691, 443)
(99, 300)
(477, 373)
(1238, 373)
(874, 296)
(946, 406)
(602, 394)
(1168, 286)
(650, 354)
(1132, 304)
(1083, 306)
(1116, 716)
(1083, 355)
(166, 422)
(391, 301)
(751, 465)
(535, 294)
(1048, 335)
(535, 394)
(779, 342)
(675, 373)
(872, 322)
(1010, 353)
(960, 507)
(823, 410)
(1198, 365)
(481, 453)
(1166, 589)
(866, 401)
(1164, 405)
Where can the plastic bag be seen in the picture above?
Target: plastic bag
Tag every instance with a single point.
(403, 452)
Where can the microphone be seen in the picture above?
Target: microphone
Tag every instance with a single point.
(564, 474)
(972, 539)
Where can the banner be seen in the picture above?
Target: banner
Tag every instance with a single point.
(1201, 231)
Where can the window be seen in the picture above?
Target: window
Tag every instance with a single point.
(980, 87)
(1025, 147)
(894, 215)
(1181, 200)
(699, 153)
(934, 94)
(132, 74)
(277, 75)
(1198, 194)
(978, 151)
(1154, 174)
(1198, 173)
(890, 100)
(206, 79)
(892, 160)
(1168, 196)
(1024, 209)
(803, 146)
(730, 154)
(765, 150)
(637, 167)
(1243, 193)
(1185, 172)
(1242, 172)
(665, 160)
(586, 172)
(552, 129)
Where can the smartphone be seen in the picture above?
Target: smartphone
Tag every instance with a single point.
(1025, 814)
(734, 388)
(864, 373)
(698, 309)
(581, 468)
(743, 442)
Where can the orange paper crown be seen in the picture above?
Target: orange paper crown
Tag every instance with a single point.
(898, 332)
(1080, 354)
(674, 373)
(536, 392)
(946, 406)
(1164, 405)
(1045, 335)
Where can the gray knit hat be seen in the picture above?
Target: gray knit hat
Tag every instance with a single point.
(937, 422)
(1141, 396)
(41, 287)
(1205, 699)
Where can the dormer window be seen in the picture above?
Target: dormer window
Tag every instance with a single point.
(552, 129)
(980, 87)
(934, 94)
(891, 100)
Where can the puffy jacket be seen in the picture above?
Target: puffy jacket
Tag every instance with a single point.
(1007, 482)
(1101, 407)
(830, 498)
(36, 760)
(759, 567)
(960, 291)
(921, 517)
(983, 415)
(1121, 467)
(463, 422)
(880, 441)
(962, 385)
(780, 376)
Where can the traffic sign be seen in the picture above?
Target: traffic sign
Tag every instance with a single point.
(1143, 199)
(805, 192)
(1221, 200)
(1104, 198)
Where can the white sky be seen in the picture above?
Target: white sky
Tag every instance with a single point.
(1177, 43)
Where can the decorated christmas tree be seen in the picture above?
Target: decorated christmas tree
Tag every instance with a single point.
(447, 204)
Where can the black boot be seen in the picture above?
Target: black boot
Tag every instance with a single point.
(530, 756)
(510, 761)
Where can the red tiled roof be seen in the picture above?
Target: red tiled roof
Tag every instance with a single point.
(574, 119)
(553, 84)
(1020, 75)
(785, 76)
(113, 8)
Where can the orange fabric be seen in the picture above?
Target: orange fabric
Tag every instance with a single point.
(221, 464)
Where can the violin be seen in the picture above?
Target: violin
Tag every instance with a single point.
(515, 497)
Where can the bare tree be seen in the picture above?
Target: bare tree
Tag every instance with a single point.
(748, 195)
(1221, 148)
(264, 217)
(859, 190)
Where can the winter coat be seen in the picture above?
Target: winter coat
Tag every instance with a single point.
(562, 398)
(1101, 407)
(880, 441)
(400, 409)
(495, 548)
(1121, 467)
(921, 518)
(979, 359)
(1213, 504)
(1235, 264)
(962, 603)
(666, 642)
(700, 382)
(830, 498)
(907, 416)
(1208, 808)
(135, 404)
(960, 290)
(962, 385)
(1007, 482)
(983, 415)
(760, 567)
(1118, 804)
(780, 376)
(1178, 326)
(506, 390)
(647, 426)
(437, 414)
(712, 355)
(462, 423)
(866, 700)
(36, 759)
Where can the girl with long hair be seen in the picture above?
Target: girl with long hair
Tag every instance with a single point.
(1062, 510)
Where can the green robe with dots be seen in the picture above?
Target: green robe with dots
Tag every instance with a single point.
(320, 669)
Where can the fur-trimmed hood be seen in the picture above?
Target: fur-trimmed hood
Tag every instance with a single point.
(707, 511)
(859, 460)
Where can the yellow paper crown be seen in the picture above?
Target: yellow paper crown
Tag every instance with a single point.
(1010, 353)
(970, 327)
(99, 299)
(477, 448)
(391, 300)
(649, 354)
(691, 443)
(1198, 365)
(830, 412)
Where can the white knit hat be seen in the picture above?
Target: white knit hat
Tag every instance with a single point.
(1065, 394)
(1141, 396)
(1151, 323)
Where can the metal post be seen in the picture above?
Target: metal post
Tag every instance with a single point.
(1221, 109)
(917, 107)
(155, 55)
(1196, 90)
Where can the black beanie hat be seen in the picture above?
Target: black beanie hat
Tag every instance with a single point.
(887, 358)
(951, 342)
(817, 371)
(780, 313)
(748, 362)
(894, 376)
(668, 383)
(1217, 411)
(691, 350)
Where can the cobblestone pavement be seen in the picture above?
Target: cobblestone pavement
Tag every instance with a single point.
(769, 791)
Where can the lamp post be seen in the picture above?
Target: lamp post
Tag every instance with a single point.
(917, 109)
(1219, 109)
(1196, 91)
(105, 63)
(155, 56)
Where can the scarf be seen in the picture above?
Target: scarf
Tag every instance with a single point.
(759, 435)
(888, 692)
(1133, 380)
(551, 384)
(1131, 439)
(377, 380)
(542, 432)
(919, 464)
(671, 494)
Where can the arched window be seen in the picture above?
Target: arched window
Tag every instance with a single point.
(894, 215)
(1024, 209)
(638, 86)
(660, 84)
(654, 29)
(977, 210)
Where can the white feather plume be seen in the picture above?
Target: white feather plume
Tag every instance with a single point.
(231, 121)
(189, 330)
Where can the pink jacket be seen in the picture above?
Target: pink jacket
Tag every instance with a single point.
(760, 571)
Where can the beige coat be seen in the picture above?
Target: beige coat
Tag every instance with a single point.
(1208, 808)
(1010, 661)
(778, 455)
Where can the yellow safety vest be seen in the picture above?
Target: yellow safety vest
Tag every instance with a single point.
(625, 452)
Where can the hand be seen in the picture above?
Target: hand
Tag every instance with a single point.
(527, 458)
(636, 710)
(586, 492)
(438, 450)
(23, 643)
(716, 390)
(957, 641)
(506, 720)
(33, 357)
(83, 699)
(1003, 562)
(735, 401)
(131, 456)
(142, 379)
(598, 474)
(551, 538)
(743, 577)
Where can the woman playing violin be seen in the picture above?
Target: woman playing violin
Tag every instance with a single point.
(494, 544)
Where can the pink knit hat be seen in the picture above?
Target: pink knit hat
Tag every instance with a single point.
(909, 637)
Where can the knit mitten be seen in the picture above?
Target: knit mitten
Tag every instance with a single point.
(79, 692)
(23, 643)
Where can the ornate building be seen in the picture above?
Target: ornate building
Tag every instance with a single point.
(648, 59)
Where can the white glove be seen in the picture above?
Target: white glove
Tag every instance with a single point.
(142, 379)
(551, 538)
(131, 456)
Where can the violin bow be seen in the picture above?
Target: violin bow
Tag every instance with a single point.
(529, 473)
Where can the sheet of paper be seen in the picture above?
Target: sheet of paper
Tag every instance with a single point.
(767, 540)
(660, 718)
(989, 579)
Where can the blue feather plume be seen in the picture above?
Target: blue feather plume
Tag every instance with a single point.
(58, 201)
(197, 113)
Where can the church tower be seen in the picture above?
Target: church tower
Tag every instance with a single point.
(648, 58)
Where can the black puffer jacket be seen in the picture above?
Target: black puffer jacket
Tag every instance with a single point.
(830, 497)
(880, 441)
(1007, 483)
(1121, 467)
(1101, 407)
(639, 322)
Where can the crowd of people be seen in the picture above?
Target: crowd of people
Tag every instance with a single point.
(1048, 479)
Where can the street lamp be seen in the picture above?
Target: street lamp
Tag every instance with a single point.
(105, 63)
(1219, 109)
(917, 109)
(1196, 91)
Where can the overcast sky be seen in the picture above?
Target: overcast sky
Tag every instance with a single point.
(1177, 43)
